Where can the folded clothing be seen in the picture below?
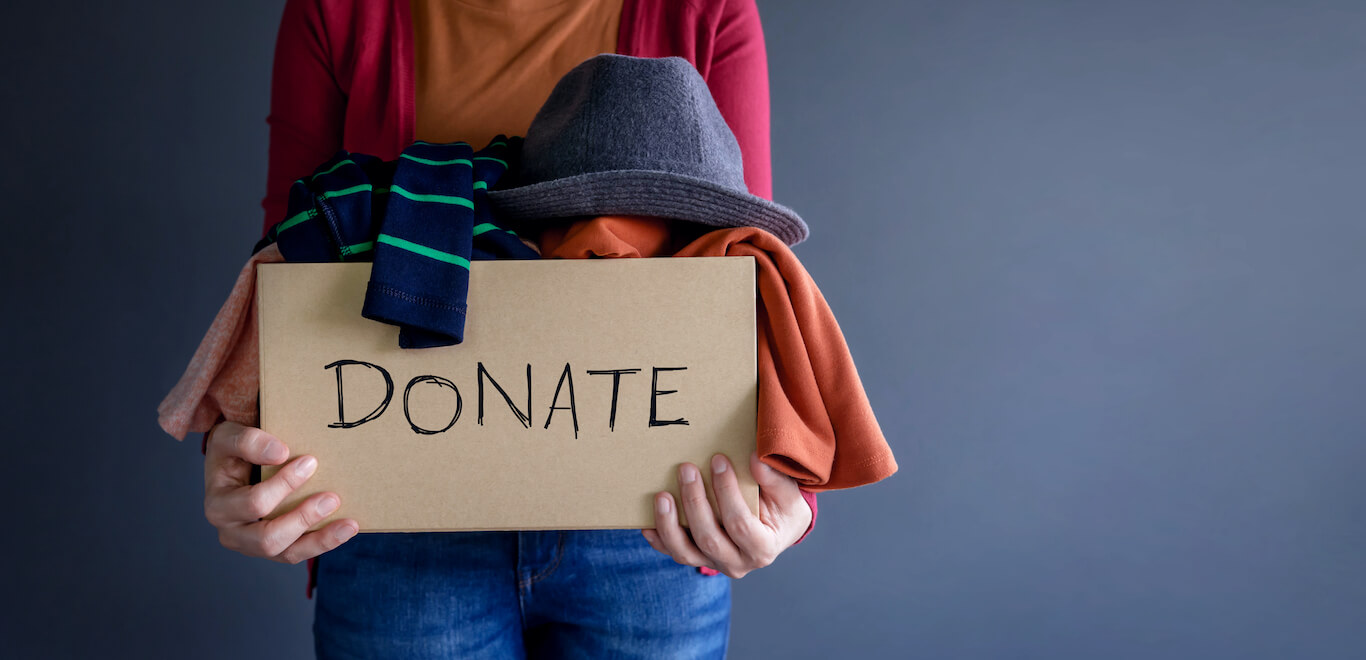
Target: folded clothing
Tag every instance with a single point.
(420, 218)
(815, 423)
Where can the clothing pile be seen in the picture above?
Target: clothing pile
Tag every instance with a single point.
(629, 157)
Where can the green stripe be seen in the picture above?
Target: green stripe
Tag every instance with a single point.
(301, 217)
(439, 199)
(481, 185)
(348, 250)
(489, 226)
(424, 250)
(364, 187)
(497, 144)
(496, 160)
(428, 161)
(333, 168)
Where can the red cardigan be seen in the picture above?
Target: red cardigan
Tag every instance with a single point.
(344, 79)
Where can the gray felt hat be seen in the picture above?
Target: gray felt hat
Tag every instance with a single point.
(624, 135)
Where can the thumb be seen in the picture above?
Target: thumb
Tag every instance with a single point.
(769, 479)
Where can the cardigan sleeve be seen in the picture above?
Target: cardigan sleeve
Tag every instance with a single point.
(737, 76)
(810, 498)
(307, 106)
(738, 79)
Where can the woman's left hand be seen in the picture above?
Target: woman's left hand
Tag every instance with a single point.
(739, 542)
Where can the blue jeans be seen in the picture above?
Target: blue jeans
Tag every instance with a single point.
(575, 594)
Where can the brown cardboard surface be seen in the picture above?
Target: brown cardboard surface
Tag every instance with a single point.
(506, 473)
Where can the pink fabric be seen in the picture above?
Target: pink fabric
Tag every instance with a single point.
(222, 378)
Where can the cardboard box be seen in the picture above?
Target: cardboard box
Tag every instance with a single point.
(580, 387)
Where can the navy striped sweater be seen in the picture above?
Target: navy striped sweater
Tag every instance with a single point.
(421, 219)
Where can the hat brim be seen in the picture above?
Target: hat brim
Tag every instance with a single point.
(652, 193)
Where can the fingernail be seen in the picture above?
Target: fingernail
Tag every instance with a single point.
(718, 464)
(662, 504)
(345, 533)
(327, 505)
(687, 473)
(305, 466)
(275, 451)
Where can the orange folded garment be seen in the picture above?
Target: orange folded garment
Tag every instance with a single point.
(815, 423)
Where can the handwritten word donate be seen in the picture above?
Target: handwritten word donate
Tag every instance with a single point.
(482, 375)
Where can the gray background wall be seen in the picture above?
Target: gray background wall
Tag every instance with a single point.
(1100, 264)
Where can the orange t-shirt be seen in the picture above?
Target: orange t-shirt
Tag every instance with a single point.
(485, 67)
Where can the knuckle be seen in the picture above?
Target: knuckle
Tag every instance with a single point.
(724, 483)
(308, 515)
(237, 442)
(258, 503)
(290, 478)
(291, 556)
(766, 556)
(217, 436)
(263, 546)
(737, 525)
(250, 441)
(226, 540)
(709, 544)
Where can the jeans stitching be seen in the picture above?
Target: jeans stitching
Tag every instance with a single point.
(521, 585)
(559, 554)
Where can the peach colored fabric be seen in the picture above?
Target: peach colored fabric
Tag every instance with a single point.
(815, 423)
(223, 376)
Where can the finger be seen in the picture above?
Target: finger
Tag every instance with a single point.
(269, 538)
(212, 464)
(312, 544)
(671, 535)
(652, 537)
(285, 530)
(781, 505)
(770, 478)
(232, 451)
(745, 530)
(706, 532)
(778, 490)
(248, 443)
(246, 504)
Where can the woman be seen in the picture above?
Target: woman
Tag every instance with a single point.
(371, 77)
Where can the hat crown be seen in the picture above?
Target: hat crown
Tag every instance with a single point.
(615, 112)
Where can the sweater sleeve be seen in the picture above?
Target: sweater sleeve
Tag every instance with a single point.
(738, 79)
(307, 106)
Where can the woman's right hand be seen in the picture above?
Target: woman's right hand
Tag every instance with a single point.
(236, 507)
